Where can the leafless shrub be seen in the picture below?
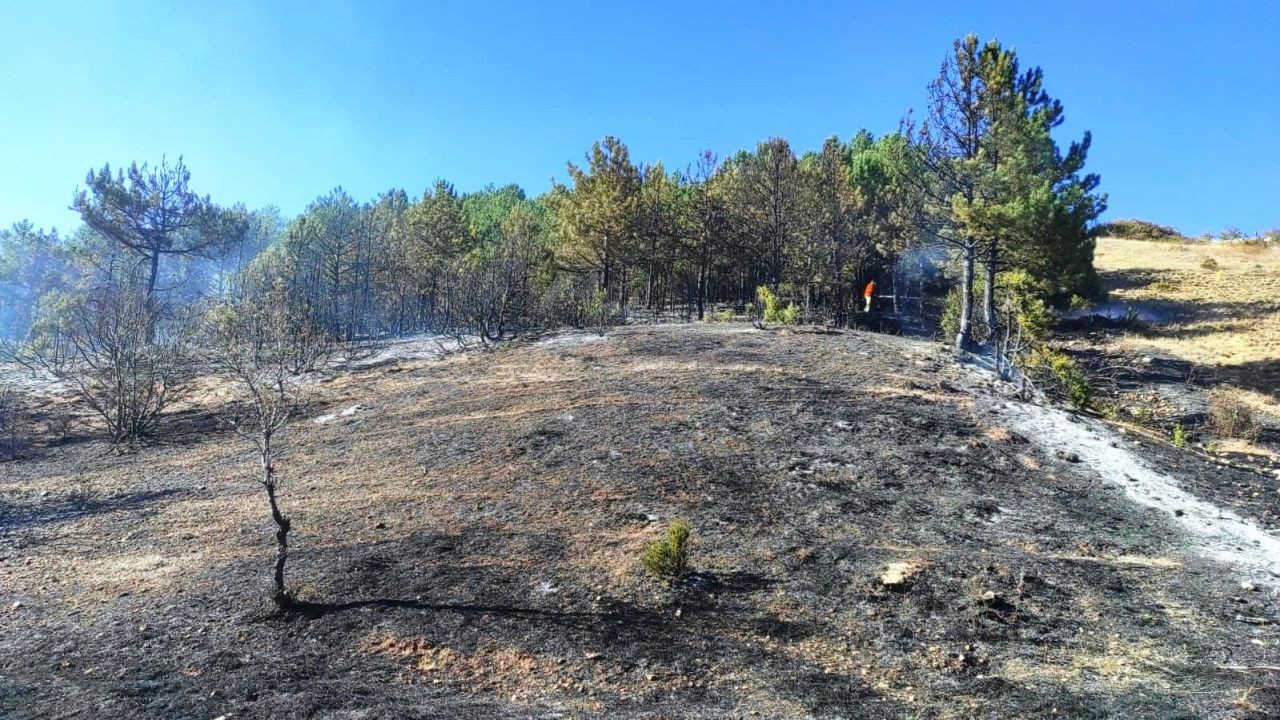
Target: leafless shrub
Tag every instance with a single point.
(111, 346)
(262, 348)
(1231, 418)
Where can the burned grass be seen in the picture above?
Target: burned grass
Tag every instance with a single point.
(468, 544)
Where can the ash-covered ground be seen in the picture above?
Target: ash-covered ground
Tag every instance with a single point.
(468, 534)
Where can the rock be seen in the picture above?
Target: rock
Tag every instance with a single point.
(1248, 586)
(17, 604)
(1068, 456)
(900, 574)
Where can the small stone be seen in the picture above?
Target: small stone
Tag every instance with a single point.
(1248, 586)
(900, 574)
(17, 604)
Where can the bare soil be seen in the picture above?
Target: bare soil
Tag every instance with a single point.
(468, 539)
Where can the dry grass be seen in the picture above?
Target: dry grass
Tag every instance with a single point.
(1235, 316)
(1218, 306)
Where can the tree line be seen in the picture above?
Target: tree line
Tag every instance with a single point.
(977, 186)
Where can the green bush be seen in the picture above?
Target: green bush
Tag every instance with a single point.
(1020, 299)
(950, 320)
(774, 311)
(1023, 297)
(723, 316)
(951, 306)
(1139, 230)
(1179, 439)
(1065, 372)
(791, 316)
(668, 558)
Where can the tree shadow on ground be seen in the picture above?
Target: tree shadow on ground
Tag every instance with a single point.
(80, 505)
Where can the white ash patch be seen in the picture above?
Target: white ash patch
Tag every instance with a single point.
(30, 381)
(1212, 531)
(345, 412)
(426, 346)
(570, 339)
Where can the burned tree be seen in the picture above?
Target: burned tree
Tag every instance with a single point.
(152, 213)
(257, 345)
(490, 294)
(13, 422)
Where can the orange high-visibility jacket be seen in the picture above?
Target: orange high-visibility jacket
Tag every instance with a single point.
(871, 288)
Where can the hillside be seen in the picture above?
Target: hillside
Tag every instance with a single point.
(1215, 304)
(468, 533)
(1207, 323)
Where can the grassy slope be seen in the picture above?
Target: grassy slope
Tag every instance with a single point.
(475, 530)
(1223, 319)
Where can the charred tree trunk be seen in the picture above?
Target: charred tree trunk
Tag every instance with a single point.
(702, 289)
(278, 592)
(964, 335)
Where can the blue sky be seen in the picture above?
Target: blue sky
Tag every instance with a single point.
(276, 103)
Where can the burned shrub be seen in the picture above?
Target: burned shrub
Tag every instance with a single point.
(120, 354)
(1231, 418)
(14, 421)
(668, 558)
(255, 344)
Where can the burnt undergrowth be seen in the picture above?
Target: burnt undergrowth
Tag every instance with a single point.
(470, 545)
